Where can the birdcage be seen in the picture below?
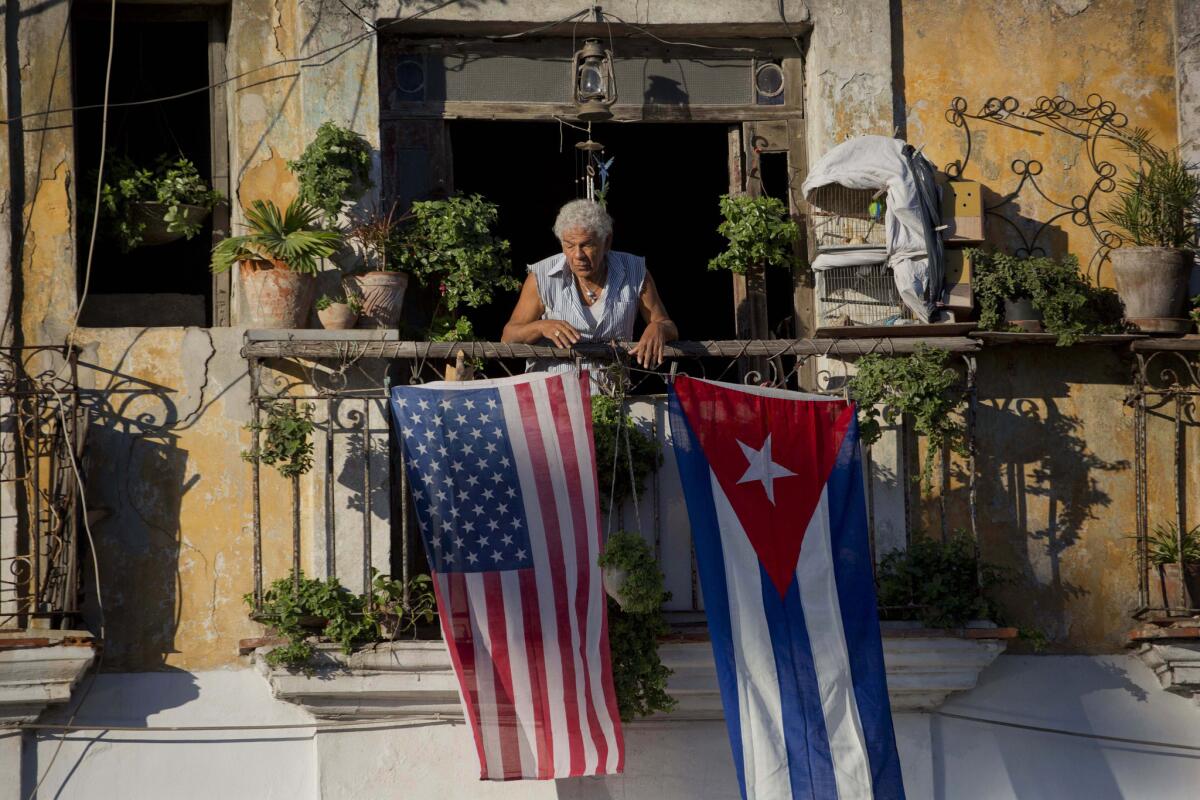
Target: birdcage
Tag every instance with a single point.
(847, 218)
(859, 295)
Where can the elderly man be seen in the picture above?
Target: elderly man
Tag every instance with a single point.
(589, 292)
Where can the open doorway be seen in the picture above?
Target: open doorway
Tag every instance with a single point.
(665, 183)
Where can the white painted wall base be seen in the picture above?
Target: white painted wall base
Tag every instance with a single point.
(943, 758)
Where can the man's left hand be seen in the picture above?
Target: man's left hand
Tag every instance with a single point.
(649, 349)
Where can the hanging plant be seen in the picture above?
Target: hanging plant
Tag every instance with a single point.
(634, 626)
(287, 443)
(336, 166)
(153, 205)
(1070, 305)
(760, 234)
(618, 440)
(921, 386)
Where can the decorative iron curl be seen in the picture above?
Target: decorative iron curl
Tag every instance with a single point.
(1095, 121)
(1168, 372)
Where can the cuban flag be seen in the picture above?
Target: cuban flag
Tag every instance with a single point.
(774, 491)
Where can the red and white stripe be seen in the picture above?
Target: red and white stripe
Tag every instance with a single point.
(530, 646)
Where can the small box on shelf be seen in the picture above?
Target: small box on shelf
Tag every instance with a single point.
(962, 212)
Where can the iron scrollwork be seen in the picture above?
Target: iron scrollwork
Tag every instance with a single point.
(1092, 123)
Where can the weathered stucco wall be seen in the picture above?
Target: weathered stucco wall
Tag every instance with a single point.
(1055, 493)
(1121, 50)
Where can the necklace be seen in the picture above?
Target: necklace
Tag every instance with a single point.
(590, 294)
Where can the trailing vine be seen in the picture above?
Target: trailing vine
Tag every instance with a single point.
(308, 609)
(287, 444)
(920, 385)
(639, 676)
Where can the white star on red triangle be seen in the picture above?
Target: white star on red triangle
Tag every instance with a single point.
(762, 468)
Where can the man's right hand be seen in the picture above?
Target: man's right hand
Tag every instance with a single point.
(558, 332)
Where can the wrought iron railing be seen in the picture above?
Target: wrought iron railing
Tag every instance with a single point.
(1166, 387)
(352, 512)
(41, 446)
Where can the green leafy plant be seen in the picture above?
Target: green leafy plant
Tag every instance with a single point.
(1159, 204)
(942, 584)
(1070, 305)
(1162, 546)
(639, 677)
(1195, 312)
(335, 166)
(326, 300)
(450, 244)
(290, 237)
(760, 234)
(920, 385)
(619, 442)
(307, 608)
(172, 183)
(286, 441)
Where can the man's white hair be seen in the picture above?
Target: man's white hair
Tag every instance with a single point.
(586, 215)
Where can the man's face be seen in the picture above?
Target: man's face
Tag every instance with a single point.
(585, 252)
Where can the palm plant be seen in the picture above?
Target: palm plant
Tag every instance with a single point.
(1159, 205)
(290, 237)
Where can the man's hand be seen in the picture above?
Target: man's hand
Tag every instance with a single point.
(649, 349)
(558, 332)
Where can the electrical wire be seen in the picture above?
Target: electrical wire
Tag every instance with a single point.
(1062, 732)
(316, 726)
(346, 43)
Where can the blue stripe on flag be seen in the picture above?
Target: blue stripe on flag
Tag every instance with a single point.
(856, 595)
(694, 475)
(810, 765)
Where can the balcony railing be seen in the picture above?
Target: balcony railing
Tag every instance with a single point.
(352, 512)
(41, 446)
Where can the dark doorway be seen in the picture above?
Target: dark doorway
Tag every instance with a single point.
(666, 181)
(157, 52)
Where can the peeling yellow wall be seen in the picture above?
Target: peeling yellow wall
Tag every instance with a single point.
(1121, 50)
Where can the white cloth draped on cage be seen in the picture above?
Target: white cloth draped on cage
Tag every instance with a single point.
(875, 214)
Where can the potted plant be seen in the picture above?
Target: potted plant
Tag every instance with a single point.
(1041, 294)
(634, 583)
(1156, 211)
(279, 260)
(922, 386)
(152, 206)
(760, 235)
(941, 584)
(380, 287)
(1194, 315)
(618, 474)
(338, 313)
(334, 167)
(1176, 571)
(450, 244)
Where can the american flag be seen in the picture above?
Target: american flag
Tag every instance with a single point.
(504, 482)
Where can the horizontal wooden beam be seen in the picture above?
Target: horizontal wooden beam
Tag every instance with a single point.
(1186, 345)
(298, 346)
(471, 109)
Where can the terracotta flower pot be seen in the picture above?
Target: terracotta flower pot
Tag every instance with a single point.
(1168, 587)
(1021, 313)
(382, 296)
(1152, 284)
(276, 297)
(337, 317)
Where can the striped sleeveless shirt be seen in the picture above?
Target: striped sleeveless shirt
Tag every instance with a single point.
(619, 311)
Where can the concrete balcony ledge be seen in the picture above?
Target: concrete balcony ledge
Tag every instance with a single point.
(38, 669)
(400, 679)
(1172, 652)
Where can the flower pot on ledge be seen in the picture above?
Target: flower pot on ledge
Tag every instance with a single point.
(381, 295)
(276, 297)
(1152, 284)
